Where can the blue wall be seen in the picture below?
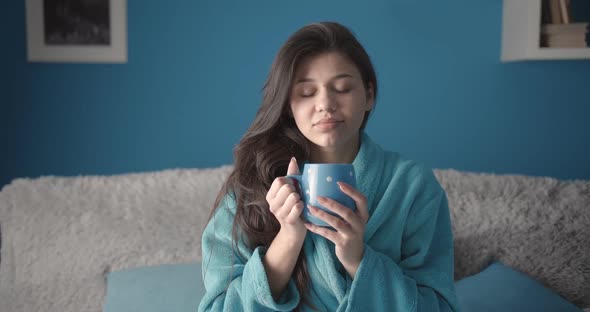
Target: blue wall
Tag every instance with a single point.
(9, 77)
(195, 71)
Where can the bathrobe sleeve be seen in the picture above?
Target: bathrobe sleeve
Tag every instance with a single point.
(231, 283)
(422, 280)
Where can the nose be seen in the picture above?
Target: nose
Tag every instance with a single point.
(325, 102)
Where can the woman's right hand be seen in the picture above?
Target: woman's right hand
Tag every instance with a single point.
(285, 203)
(282, 254)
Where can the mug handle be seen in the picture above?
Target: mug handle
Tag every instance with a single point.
(296, 181)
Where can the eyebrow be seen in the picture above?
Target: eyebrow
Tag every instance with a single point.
(339, 76)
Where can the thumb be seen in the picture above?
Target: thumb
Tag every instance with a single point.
(293, 168)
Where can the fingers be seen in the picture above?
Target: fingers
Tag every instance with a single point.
(340, 223)
(274, 188)
(295, 213)
(285, 202)
(325, 232)
(285, 209)
(359, 199)
(283, 198)
(279, 200)
(293, 168)
(277, 185)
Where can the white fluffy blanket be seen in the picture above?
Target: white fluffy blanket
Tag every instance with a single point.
(60, 236)
(540, 226)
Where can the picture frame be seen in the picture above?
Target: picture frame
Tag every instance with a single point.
(77, 31)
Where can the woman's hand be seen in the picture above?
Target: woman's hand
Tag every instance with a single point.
(285, 204)
(281, 256)
(349, 228)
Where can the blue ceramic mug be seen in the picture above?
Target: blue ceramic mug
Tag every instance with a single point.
(320, 180)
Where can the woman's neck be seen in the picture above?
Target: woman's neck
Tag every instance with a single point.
(336, 155)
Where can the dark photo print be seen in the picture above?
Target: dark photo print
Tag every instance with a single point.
(77, 22)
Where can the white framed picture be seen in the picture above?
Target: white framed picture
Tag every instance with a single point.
(79, 31)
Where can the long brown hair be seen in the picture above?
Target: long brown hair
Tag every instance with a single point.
(264, 151)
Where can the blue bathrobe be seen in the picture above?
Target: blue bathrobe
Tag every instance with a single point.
(408, 259)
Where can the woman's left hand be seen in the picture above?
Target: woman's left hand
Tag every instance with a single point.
(349, 232)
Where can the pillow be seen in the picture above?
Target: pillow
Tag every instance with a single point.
(167, 287)
(500, 288)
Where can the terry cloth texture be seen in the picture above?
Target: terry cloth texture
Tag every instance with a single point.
(408, 259)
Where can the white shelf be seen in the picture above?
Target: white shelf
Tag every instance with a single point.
(521, 28)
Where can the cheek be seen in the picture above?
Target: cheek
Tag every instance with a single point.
(297, 113)
(359, 111)
(299, 108)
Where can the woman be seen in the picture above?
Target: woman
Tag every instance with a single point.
(395, 253)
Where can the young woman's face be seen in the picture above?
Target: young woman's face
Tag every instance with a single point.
(328, 100)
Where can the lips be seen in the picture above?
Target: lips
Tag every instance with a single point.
(327, 122)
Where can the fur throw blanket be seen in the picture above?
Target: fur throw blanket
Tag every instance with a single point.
(60, 235)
